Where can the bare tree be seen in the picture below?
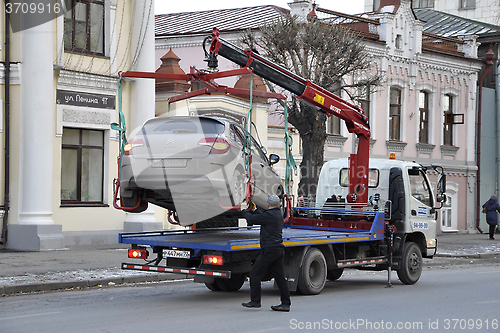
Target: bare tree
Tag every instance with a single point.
(328, 55)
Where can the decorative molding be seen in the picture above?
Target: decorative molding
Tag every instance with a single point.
(86, 82)
(86, 117)
(335, 140)
(449, 150)
(395, 145)
(425, 148)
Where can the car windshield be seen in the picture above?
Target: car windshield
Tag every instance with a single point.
(197, 125)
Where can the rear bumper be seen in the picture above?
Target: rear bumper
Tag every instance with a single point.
(177, 270)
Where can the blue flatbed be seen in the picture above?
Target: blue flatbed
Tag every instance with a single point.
(247, 238)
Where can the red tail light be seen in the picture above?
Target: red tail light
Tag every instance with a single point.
(131, 145)
(219, 145)
(137, 253)
(212, 260)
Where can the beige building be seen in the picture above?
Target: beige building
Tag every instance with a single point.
(59, 96)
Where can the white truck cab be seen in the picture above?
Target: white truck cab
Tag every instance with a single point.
(402, 186)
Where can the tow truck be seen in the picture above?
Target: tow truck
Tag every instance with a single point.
(369, 214)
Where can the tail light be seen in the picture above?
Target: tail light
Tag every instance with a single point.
(131, 145)
(212, 260)
(138, 253)
(219, 145)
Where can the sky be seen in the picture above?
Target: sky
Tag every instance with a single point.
(170, 6)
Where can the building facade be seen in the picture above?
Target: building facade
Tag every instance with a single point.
(424, 111)
(60, 96)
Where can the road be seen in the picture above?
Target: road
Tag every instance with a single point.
(449, 299)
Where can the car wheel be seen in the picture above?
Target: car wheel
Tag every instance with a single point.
(238, 188)
(128, 202)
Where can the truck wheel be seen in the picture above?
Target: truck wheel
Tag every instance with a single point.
(411, 264)
(233, 284)
(312, 274)
(212, 286)
(334, 274)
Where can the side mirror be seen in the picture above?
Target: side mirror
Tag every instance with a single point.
(441, 188)
(273, 159)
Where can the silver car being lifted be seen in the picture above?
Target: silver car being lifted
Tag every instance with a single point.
(194, 166)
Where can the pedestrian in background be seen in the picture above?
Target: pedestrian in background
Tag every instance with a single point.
(272, 253)
(491, 207)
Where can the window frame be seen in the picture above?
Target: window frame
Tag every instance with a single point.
(423, 121)
(79, 149)
(467, 4)
(88, 25)
(448, 136)
(395, 133)
(423, 4)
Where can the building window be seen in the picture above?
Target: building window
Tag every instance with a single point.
(448, 120)
(467, 4)
(399, 42)
(376, 4)
(395, 114)
(423, 3)
(423, 105)
(364, 99)
(84, 26)
(333, 122)
(82, 166)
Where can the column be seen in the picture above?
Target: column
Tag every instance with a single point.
(36, 229)
(142, 99)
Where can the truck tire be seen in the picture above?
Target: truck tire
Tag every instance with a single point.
(212, 286)
(411, 264)
(334, 274)
(233, 284)
(312, 273)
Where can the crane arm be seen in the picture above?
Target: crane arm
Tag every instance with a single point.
(311, 93)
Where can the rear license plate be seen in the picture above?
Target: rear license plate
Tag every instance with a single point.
(169, 163)
(177, 254)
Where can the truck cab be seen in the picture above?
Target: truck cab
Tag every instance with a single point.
(403, 188)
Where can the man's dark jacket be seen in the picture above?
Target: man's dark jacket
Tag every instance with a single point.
(271, 226)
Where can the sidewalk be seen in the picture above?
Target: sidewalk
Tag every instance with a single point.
(82, 267)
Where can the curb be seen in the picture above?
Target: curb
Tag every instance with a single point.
(472, 255)
(85, 284)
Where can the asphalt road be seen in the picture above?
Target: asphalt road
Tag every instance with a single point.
(452, 298)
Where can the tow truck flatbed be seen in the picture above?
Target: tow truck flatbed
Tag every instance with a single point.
(247, 238)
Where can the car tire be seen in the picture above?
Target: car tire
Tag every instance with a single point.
(411, 264)
(238, 188)
(128, 202)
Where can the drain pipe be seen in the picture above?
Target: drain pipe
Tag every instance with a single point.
(6, 204)
(489, 63)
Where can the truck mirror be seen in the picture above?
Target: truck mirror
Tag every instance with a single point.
(441, 185)
(441, 198)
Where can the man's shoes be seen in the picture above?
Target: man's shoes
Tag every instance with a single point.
(281, 307)
(251, 304)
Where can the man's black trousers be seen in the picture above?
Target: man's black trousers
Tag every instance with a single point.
(269, 260)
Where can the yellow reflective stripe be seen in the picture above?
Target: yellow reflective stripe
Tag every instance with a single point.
(304, 242)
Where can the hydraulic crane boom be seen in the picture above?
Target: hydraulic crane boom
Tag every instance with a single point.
(311, 93)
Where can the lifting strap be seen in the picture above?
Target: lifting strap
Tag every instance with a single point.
(290, 161)
(120, 127)
(247, 146)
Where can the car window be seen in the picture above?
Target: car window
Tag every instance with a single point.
(256, 150)
(373, 177)
(236, 134)
(206, 126)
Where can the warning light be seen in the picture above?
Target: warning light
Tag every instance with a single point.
(137, 253)
(431, 242)
(392, 156)
(212, 260)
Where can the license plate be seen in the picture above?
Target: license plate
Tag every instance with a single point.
(169, 163)
(177, 254)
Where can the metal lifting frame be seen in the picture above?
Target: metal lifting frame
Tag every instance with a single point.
(313, 94)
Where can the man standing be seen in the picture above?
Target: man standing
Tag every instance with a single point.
(272, 253)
